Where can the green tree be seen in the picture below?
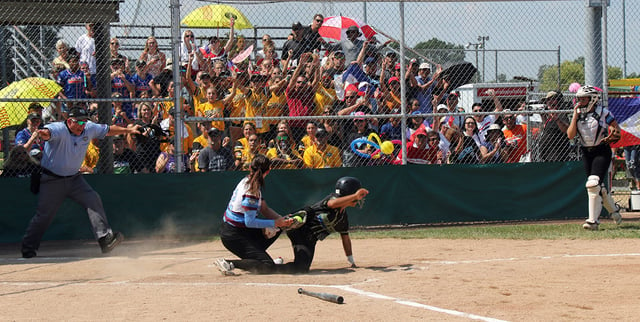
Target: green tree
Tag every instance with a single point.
(435, 50)
(570, 72)
(440, 51)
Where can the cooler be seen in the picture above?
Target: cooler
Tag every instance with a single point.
(634, 200)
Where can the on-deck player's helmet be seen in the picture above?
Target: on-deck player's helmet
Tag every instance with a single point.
(347, 185)
(592, 93)
(587, 90)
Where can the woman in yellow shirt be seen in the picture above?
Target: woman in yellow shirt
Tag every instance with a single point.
(215, 107)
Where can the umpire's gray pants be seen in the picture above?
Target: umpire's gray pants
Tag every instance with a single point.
(53, 192)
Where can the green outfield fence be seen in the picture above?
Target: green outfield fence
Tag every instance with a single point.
(193, 204)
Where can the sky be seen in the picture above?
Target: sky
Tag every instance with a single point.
(523, 35)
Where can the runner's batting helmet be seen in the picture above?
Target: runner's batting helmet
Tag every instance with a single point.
(347, 185)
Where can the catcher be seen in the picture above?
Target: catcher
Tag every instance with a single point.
(318, 221)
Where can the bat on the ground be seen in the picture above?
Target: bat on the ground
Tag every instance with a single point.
(323, 296)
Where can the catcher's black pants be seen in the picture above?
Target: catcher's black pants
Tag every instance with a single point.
(250, 245)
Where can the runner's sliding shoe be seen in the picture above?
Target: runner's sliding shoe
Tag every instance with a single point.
(226, 268)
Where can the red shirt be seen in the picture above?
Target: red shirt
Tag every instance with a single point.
(300, 102)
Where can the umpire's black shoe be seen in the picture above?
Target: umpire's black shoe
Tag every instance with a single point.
(28, 253)
(109, 242)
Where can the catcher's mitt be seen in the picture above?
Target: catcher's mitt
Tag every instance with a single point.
(299, 218)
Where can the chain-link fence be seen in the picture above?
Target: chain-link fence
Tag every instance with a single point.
(309, 84)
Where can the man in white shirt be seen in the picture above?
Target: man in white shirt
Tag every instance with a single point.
(86, 46)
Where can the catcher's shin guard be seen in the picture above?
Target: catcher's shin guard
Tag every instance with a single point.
(607, 200)
(595, 200)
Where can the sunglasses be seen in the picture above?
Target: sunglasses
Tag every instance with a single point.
(477, 110)
(350, 97)
(189, 36)
(265, 39)
(115, 43)
(282, 138)
(434, 139)
(318, 20)
(79, 122)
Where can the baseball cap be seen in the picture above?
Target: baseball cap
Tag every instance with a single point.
(351, 88)
(169, 64)
(33, 116)
(392, 79)
(425, 66)
(391, 54)
(214, 132)
(359, 114)
(454, 94)
(421, 132)
(78, 113)
(353, 29)
(322, 133)
(494, 127)
(296, 26)
(552, 95)
(397, 66)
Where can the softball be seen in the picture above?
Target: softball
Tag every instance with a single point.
(298, 219)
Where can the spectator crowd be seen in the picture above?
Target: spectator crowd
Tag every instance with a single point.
(226, 78)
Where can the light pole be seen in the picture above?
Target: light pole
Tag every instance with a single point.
(475, 47)
(482, 40)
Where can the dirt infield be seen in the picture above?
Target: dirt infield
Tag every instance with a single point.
(428, 279)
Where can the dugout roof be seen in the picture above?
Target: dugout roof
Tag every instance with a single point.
(58, 12)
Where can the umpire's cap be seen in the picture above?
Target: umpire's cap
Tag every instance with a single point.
(79, 113)
(347, 186)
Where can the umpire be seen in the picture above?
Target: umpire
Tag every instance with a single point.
(64, 150)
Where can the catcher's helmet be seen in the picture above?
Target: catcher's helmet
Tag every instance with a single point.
(347, 185)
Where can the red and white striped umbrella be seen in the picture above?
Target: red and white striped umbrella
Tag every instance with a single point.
(335, 27)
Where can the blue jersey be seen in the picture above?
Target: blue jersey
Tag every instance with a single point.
(243, 208)
(141, 83)
(118, 86)
(73, 84)
(64, 152)
(23, 137)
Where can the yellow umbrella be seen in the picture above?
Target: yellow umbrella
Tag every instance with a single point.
(216, 16)
(14, 113)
